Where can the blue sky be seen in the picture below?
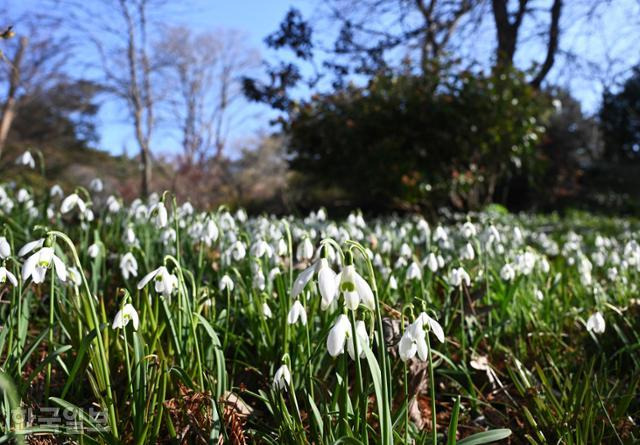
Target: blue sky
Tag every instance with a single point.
(609, 43)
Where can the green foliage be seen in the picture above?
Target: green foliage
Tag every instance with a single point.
(403, 142)
(620, 124)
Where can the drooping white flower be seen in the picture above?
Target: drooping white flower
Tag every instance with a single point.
(96, 185)
(56, 191)
(226, 283)
(5, 248)
(413, 341)
(596, 323)
(304, 251)
(393, 283)
(72, 201)
(38, 263)
(433, 325)
(124, 316)
(355, 289)
(6, 275)
(338, 336)
(260, 248)
(74, 276)
(458, 276)
(128, 266)
(507, 273)
(327, 281)
(282, 378)
(94, 250)
(165, 283)
(26, 159)
(238, 251)
(467, 252)
(362, 338)
(113, 205)
(158, 215)
(414, 338)
(266, 310)
(414, 272)
(296, 313)
(432, 262)
(468, 230)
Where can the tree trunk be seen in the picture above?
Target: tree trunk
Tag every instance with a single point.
(552, 45)
(507, 30)
(8, 109)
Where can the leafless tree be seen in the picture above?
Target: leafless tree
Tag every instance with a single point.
(32, 59)
(508, 27)
(119, 32)
(203, 71)
(422, 27)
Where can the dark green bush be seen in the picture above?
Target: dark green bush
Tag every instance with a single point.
(412, 142)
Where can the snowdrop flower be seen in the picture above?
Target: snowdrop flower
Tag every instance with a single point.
(158, 214)
(327, 282)
(113, 205)
(72, 201)
(128, 266)
(612, 273)
(507, 273)
(38, 263)
(468, 230)
(266, 310)
(304, 252)
(74, 276)
(273, 273)
(211, 232)
(26, 159)
(226, 283)
(596, 323)
(23, 196)
(393, 283)
(241, 215)
(584, 268)
(355, 288)
(282, 248)
(414, 339)
(296, 313)
(458, 276)
(432, 262)
(439, 235)
(94, 250)
(467, 252)
(6, 275)
(405, 250)
(96, 185)
(362, 338)
(338, 336)
(260, 248)
(5, 248)
(539, 295)
(259, 281)
(56, 191)
(414, 272)
(238, 251)
(130, 238)
(544, 265)
(282, 378)
(124, 316)
(165, 282)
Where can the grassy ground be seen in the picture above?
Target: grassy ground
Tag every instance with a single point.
(242, 334)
